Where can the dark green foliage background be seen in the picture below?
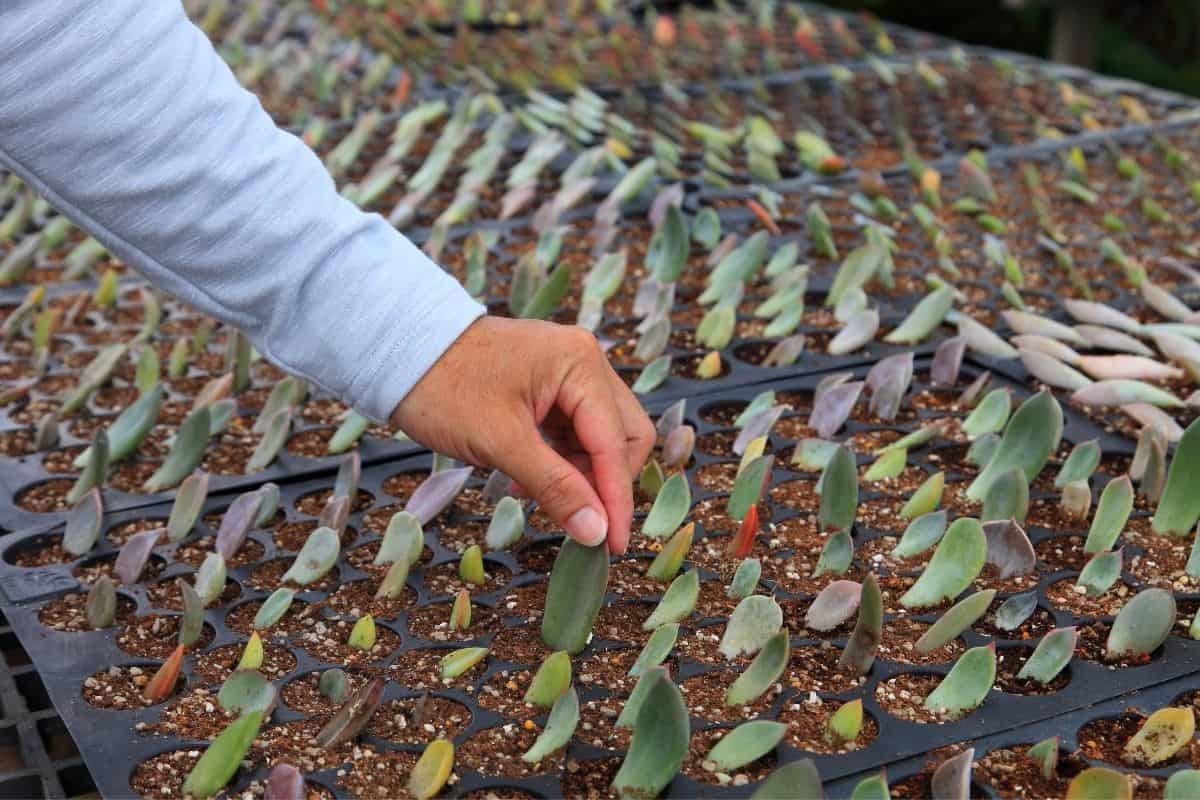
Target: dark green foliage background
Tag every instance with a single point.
(1153, 41)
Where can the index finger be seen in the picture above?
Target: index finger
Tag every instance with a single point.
(586, 398)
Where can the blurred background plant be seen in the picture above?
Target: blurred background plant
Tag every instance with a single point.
(1153, 41)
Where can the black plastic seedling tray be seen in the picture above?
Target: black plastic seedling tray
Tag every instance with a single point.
(64, 660)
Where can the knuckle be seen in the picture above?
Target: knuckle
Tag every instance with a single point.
(555, 490)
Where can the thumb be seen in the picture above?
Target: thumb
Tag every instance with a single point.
(559, 488)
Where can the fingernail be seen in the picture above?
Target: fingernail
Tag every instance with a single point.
(587, 527)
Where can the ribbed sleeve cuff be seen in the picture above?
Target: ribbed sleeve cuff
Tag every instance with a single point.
(418, 344)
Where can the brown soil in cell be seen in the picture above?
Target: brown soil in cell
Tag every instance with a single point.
(163, 775)
(130, 476)
(524, 602)
(893, 587)
(443, 580)
(723, 413)
(269, 576)
(323, 410)
(814, 668)
(46, 497)
(1104, 739)
(713, 600)
(1092, 646)
(377, 774)
(1011, 773)
(120, 688)
(1061, 553)
(877, 555)
(89, 572)
(498, 793)
(458, 536)
(195, 715)
(1047, 514)
(156, 636)
(598, 724)
(67, 613)
(403, 484)
(419, 720)
(291, 536)
(539, 556)
(326, 641)
(194, 552)
(1009, 662)
(497, 752)
(314, 502)
(718, 477)
(362, 558)
(704, 696)
(504, 694)
(17, 443)
(165, 594)
(41, 551)
(377, 519)
(520, 644)
(298, 617)
(213, 667)
(303, 694)
(1163, 564)
(121, 533)
(420, 670)
(115, 398)
(312, 443)
(1066, 596)
(609, 669)
(590, 780)
(720, 444)
(701, 644)
(712, 515)
(904, 695)
(808, 727)
(622, 622)
(357, 598)
(432, 623)
(1040, 623)
(800, 495)
(697, 767)
(900, 636)
(291, 743)
(61, 461)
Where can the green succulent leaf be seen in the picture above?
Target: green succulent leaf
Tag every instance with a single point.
(796, 779)
(747, 742)
(1100, 783)
(1184, 784)
(186, 453)
(677, 602)
(1013, 612)
(657, 648)
(1051, 656)
(961, 616)
(273, 608)
(967, 683)
(578, 582)
(1007, 498)
(560, 726)
(990, 415)
(660, 739)
(1112, 512)
(762, 673)
(316, 557)
(1080, 464)
(402, 541)
(926, 498)
(1142, 625)
(670, 507)
(223, 757)
(755, 620)
(745, 579)
(859, 653)
(924, 317)
(748, 487)
(836, 555)
(552, 679)
(921, 534)
(955, 564)
(1179, 506)
(1029, 440)
(839, 492)
(247, 690)
(669, 561)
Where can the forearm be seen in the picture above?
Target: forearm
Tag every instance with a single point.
(120, 112)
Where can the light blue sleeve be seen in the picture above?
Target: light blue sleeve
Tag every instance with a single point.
(122, 114)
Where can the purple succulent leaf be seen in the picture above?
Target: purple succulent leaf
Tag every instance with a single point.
(335, 514)
(833, 407)
(677, 449)
(437, 492)
(349, 472)
(671, 419)
(134, 555)
(889, 380)
(947, 361)
(236, 523)
(1149, 416)
(285, 783)
(859, 331)
(836, 603)
(758, 425)
(829, 382)
(670, 196)
(952, 780)
(785, 352)
(1009, 549)
(497, 487)
(517, 198)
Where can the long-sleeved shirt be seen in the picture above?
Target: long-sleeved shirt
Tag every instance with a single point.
(121, 113)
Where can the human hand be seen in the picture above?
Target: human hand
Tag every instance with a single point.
(503, 386)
